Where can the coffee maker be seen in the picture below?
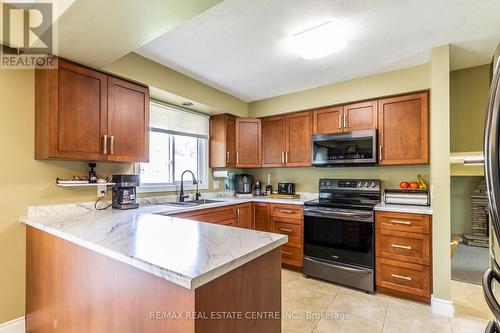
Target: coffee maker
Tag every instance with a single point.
(124, 191)
(243, 183)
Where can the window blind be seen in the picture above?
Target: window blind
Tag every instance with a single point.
(174, 120)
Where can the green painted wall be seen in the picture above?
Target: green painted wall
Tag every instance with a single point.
(461, 205)
(469, 90)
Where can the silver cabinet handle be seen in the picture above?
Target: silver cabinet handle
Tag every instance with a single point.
(237, 158)
(401, 246)
(112, 144)
(286, 157)
(345, 122)
(286, 211)
(238, 214)
(407, 278)
(401, 222)
(227, 157)
(288, 254)
(282, 157)
(286, 230)
(340, 119)
(105, 144)
(380, 157)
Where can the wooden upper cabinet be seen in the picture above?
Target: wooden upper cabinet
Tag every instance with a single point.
(70, 113)
(128, 121)
(326, 121)
(298, 139)
(360, 116)
(273, 141)
(78, 110)
(222, 141)
(248, 142)
(404, 129)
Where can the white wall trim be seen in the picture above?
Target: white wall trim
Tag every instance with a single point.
(14, 326)
(442, 307)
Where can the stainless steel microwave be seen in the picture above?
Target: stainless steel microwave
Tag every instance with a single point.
(357, 148)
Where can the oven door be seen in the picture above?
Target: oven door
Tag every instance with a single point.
(339, 235)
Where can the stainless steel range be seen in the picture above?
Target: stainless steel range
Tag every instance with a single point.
(339, 231)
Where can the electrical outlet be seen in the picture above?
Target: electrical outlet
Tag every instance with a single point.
(216, 184)
(102, 191)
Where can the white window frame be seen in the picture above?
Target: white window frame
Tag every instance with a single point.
(203, 167)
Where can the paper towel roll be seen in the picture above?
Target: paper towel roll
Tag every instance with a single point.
(221, 173)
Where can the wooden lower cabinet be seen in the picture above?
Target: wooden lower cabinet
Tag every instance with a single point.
(277, 218)
(403, 255)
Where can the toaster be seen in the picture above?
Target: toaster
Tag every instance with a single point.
(286, 188)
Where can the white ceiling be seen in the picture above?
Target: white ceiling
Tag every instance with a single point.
(242, 47)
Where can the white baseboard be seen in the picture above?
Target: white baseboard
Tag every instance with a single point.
(442, 307)
(14, 326)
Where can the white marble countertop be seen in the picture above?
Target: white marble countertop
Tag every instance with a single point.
(427, 210)
(181, 251)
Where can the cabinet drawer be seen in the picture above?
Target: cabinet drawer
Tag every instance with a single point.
(412, 279)
(292, 230)
(404, 246)
(403, 222)
(291, 255)
(287, 211)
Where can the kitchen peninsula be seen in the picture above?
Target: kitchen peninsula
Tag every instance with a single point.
(138, 271)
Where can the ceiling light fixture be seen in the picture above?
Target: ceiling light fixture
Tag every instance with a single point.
(187, 104)
(319, 41)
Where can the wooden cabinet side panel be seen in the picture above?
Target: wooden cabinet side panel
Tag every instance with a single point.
(82, 291)
(218, 151)
(43, 104)
(251, 288)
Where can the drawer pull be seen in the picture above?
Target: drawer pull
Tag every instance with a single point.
(406, 247)
(286, 230)
(288, 254)
(407, 278)
(286, 211)
(401, 222)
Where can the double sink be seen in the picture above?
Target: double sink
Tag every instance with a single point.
(191, 203)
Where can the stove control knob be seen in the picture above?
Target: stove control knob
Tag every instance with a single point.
(361, 184)
(367, 184)
(323, 183)
(374, 184)
(328, 183)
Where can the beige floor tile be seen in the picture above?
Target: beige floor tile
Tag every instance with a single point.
(288, 275)
(468, 300)
(467, 324)
(298, 325)
(323, 286)
(358, 312)
(410, 317)
(306, 300)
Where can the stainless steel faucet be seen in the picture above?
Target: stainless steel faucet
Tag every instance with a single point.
(183, 196)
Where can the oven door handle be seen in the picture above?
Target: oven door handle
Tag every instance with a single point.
(352, 216)
(342, 267)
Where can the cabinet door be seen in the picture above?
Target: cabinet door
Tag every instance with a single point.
(326, 121)
(128, 121)
(298, 139)
(262, 220)
(244, 215)
(360, 116)
(248, 142)
(404, 129)
(79, 118)
(273, 141)
(222, 141)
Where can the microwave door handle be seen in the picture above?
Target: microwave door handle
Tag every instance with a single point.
(491, 151)
(488, 278)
